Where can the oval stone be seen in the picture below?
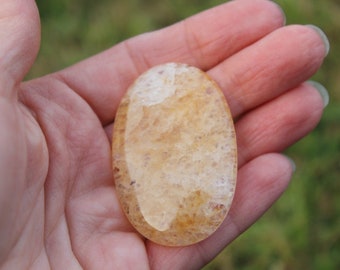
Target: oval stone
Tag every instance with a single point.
(174, 155)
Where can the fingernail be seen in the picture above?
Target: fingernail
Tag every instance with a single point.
(322, 35)
(292, 163)
(322, 91)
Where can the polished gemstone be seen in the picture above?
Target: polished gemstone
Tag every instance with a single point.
(174, 155)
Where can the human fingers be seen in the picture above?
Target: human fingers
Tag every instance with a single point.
(20, 37)
(277, 63)
(278, 124)
(260, 182)
(203, 40)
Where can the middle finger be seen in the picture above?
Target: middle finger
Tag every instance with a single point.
(261, 72)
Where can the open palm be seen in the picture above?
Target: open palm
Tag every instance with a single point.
(58, 205)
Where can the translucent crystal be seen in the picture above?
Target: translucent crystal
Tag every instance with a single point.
(174, 155)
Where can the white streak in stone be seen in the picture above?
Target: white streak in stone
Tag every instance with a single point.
(157, 84)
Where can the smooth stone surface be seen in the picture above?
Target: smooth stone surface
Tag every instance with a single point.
(174, 155)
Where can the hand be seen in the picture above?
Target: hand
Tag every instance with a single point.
(58, 204)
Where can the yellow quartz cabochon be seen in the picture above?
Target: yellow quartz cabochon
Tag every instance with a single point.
(174, 155)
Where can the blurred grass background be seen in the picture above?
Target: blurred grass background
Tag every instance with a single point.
(302, 230)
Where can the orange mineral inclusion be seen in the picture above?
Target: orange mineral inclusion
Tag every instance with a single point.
(174, 155)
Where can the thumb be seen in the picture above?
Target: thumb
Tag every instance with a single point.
(19, 42)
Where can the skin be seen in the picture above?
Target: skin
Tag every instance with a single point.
(58, 204)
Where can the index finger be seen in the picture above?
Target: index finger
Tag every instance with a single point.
(203, 40)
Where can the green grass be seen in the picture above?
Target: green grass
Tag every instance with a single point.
(302, 230)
